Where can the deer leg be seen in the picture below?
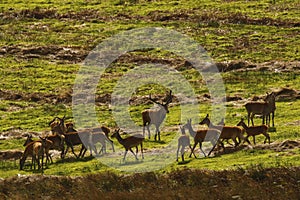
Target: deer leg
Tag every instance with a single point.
(142, 150)
(200, 145)
(273, 113)
(177, 152)
(247, 140)
(157, 133)
(248, 117)
(72, 148)
(192, 152)
(82, 151)
(133, 154)
(148, 129)
(254, 139)
(252, 116)
(214, 146)
(235, 142)
(182, 153)
(125, 155)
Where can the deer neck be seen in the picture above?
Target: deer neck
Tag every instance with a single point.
(191, 131)
(119, 138)
(244, 126)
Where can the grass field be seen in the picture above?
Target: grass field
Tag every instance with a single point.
(43, 44)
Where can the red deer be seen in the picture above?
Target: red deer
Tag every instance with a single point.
(183, 142)
(36, 150)
(156, 116)
(227, 132)
(130, 142)
(71, 138)
(255, 130)
(265, 109)
(209, 135)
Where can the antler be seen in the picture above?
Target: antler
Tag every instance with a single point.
(154, 100)
(169, 97)
(53, 120)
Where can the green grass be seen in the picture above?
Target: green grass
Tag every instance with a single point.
(252, 31)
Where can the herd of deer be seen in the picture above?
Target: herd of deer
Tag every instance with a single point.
(65, 134)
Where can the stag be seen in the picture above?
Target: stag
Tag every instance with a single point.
(156, 116)
(265, 108)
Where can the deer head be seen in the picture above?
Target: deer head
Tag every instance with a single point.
(166, 104)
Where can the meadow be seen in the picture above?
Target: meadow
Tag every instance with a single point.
(255, 45)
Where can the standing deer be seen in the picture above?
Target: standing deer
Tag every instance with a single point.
(262, 108)
(156, 116)
(270, 99)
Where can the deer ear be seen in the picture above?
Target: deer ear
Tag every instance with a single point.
(207, 115)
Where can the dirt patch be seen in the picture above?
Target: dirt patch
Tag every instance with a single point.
(287, 94)
(53, 53)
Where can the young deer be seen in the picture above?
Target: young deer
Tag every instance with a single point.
(130, 142)
(183, 142)
(200, 136)
(255, 130)
(98, 135)
(156, 116)
(227, 132)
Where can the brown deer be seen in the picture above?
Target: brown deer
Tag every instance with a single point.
(130, 142)
(209, 135)
(183, 142)
(156, 116)
(57, 140)
(265, 108)
(92, 136)
(227, 132)
(255, 130)
(270, 109)
(71, 138)
(36, 150)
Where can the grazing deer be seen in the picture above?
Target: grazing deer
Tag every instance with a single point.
(130, 142)
(227, 132)
(255, 130)
(183, 141)
(262, 108)
(156, 116)
(200, 136)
